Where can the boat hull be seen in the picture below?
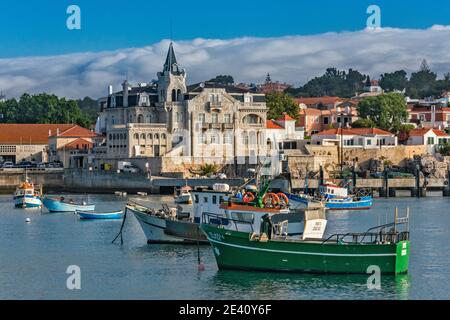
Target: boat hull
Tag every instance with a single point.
(363, 203)
(234, 250)
(53, 205)
(27, 201)
(159, 230)
(95, 215)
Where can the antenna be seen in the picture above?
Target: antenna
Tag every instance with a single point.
(171, 31)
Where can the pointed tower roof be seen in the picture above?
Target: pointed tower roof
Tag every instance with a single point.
(171, 64)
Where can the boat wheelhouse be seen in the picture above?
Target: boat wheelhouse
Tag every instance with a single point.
(27, 195)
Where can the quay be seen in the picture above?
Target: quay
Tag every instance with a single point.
(96, 181)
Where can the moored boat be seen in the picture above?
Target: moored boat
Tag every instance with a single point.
(99, 215)
(27, 195)
(264, 240)
(176, 225)
(183, 195)
(61, 205)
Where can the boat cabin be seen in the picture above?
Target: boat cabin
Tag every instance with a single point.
(206, 200)
(271, 223)
(331, 190)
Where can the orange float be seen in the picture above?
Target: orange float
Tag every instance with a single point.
(274, 199)
(248, 197)
(284, 197)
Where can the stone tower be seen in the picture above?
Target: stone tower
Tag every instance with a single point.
(172, 80)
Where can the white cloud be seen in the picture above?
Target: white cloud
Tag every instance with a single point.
(293, 59)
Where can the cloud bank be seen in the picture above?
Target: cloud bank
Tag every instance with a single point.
(293, 59)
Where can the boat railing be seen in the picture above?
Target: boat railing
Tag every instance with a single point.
(368, 237)
(221, 221)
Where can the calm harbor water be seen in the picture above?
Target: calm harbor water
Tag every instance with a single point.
(34, 257)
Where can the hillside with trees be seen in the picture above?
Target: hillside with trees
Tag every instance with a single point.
(47, 108)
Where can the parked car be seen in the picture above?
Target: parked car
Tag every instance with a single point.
(130, 168)
(8, 164)
(41, 165)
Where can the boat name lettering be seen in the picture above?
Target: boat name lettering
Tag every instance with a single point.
(216, 236)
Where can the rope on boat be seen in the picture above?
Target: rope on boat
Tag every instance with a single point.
(121, 228)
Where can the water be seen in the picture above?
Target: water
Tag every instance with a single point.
(34, 257)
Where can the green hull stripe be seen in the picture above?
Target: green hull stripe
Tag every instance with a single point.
(306, 253)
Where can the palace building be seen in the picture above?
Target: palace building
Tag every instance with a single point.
(170, 118)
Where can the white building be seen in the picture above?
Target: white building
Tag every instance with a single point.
(431, 138)
(283, 133)
(365, 138)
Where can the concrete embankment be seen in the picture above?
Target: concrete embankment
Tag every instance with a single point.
(77, 180)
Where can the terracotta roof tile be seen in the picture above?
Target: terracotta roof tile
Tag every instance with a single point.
(30, 133)
(318, 100)
(271, 124)
(355, 131)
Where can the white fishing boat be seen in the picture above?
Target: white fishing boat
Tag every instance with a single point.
(183, 195)
(176, 225)
(27, 195)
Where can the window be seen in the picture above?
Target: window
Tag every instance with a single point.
(136, 136)
(215, 117)
(205, 199)
(251, 118)
(227, 118)
(242, 216)
(430, 140)
(369, 142)
(325, 120)
(201, 118)
(227, 139)
(214, 199)
(196, 198)
(179, 117)
(214, 139)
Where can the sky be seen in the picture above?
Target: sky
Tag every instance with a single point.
(293, 40)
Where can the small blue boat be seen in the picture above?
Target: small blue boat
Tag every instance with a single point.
(61, 205)
(347, 203)
(99, 215)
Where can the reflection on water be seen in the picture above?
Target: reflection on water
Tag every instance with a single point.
(34, 257)
(309, 286)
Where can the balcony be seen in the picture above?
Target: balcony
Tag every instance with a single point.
(214, 106)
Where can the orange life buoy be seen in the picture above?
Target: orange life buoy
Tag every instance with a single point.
(274, 199)
(284, 198)
(248, 196)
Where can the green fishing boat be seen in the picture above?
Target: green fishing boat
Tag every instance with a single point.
(275, 239)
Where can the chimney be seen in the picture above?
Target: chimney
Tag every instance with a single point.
(125, 93)
(433, 115)
(57, 132)
(49, 132)
(110, 90)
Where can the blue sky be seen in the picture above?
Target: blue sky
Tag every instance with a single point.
(38, 27)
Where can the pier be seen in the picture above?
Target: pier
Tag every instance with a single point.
(78, 180)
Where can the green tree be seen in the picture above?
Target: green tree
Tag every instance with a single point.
(42, 108)
(396, 80)
(223, 79)
(333, 82)
(279, 102)
(422, 83)
(364, 123)
(387, 111)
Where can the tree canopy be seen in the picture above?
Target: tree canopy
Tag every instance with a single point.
(223, 79)
(387, 111)
(279, 102)
(333, 83)
(42, 108)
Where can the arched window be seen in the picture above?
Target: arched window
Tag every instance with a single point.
(174, 95)
(179, 95)
(136, 136)
(156, 136)
(163, 136)
(149, 136)
(140, 118)
(251, 118)
(143, 136)
(252, 138)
